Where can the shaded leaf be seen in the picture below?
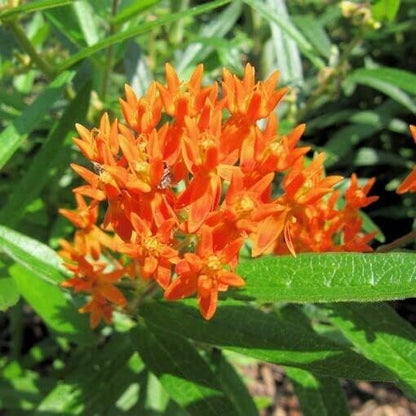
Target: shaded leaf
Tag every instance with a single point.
(184, 374)
(38, 173)
(50, 302)
(382, 336)
(12, 137)
(265, 336)
(318, 395)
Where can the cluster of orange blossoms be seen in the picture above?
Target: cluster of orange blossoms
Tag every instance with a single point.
(194, 174)
(409, 183)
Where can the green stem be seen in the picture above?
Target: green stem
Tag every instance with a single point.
(110, 52)
(400, 242)
(27, 46)
(321, 88)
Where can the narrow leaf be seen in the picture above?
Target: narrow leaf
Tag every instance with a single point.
(304, 45)
(219, 27)
(264, 336)
(184, 374)
(38, 173)
(232, 384)
(330, 277)
(132, 10)
(9, 293)
(138, 30)
(318, 395)
(392, 82)
(32, 254)
(13, 135)
(94, 379)
(51, 304)
(385, 9)
(33, 6)
(382, 336)
(86, 20)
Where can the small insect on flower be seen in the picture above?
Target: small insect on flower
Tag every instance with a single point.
(167, 177)
(98, 169)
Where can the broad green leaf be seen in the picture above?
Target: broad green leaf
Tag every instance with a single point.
(33, 6)
(330, 277)
(132, 10)
(318, 395)
(385, 9)
(9, 293)
(264, 336)
(313, 30)
(32, 254)
(12, 137)
(138, 30)
(183, 372)
(94, 379)
(304, 45)
(390, 81)
(38, 173)
(50, 302)
(382, 336)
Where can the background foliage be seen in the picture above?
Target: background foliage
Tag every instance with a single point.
(64, 61)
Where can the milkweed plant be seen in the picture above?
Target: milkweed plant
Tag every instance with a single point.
(202, 234)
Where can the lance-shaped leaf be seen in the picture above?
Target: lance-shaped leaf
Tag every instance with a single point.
(265, 336)
(318, 395)
(183, 372)
(38, 172)
(382, 336)
(12, 136)
(50, 302)
(330, 277)
(32, 254)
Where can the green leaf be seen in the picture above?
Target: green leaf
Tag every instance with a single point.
(38, 173)
(31, 254)
(86, 19)
(390, 81)
(382, 336)
(94, 378)
(9, 293)
(132, 10)
(219, 27)
(264, 336)
(232, 384)
(330, 277)
(385, 9)
(313, 30)
(33, 6)
(286, 25)
(318, 395)
(12, 137)
(50, 302)
(284, 48)
(184, 374)
(138, 30)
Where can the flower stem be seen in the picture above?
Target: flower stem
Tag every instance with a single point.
(27, 46)
(401, 241)
(110, 53)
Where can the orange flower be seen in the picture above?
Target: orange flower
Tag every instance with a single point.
(207, 272)
(409, 183)
(192, 174)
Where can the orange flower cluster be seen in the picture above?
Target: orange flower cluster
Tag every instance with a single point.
(194, 174)
(409, 183)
